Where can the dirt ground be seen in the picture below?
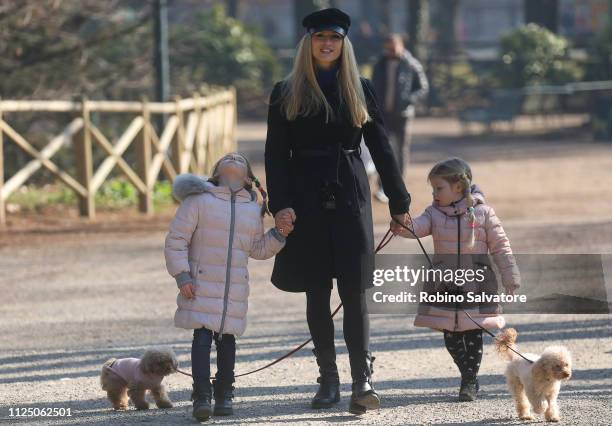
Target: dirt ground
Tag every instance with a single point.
(77, 293)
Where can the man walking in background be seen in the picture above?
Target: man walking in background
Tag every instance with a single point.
(399, 81)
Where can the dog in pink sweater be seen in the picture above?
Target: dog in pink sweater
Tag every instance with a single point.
(131, 378)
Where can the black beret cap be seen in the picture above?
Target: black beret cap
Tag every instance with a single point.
(327, 19)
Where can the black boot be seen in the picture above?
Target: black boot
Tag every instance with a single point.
(364, 397)
(469, 388)
(329, 381)
(201, 397)
(224, 393)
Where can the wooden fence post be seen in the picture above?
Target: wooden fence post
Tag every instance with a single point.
(199, 139)
(234, 120)
(143, 161)
(2, 207)
(207, 134)
(179, 137)
(213, 151)
(84, 164)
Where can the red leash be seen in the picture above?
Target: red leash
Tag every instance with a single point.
(385, 240)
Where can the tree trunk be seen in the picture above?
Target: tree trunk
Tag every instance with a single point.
(231, 8)
(302, 8)
(542, 12)
(417, 27)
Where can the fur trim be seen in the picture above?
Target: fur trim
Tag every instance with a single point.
(477, 194)
(189, 184)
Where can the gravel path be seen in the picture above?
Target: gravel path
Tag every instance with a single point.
(77, 294)
(85, 297)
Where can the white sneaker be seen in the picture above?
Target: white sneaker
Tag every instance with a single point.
(380, 196)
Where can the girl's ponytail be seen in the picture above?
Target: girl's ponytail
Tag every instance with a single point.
(465, 178)
(264, 195)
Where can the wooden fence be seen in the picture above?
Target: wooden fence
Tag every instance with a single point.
(197, 132)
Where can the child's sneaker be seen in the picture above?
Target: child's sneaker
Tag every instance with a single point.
(469, 389)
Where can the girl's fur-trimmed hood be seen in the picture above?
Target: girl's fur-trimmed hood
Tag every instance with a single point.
(189, 184)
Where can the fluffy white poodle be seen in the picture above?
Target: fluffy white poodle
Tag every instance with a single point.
(535, 385)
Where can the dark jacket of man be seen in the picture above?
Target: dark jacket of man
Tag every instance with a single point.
(411, 83)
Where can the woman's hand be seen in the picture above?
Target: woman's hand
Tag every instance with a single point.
(187, 290)
(396, 228)
(284, 219)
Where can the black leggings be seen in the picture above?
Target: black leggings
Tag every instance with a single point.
(200, 356)
(466, 349)
(356, 323)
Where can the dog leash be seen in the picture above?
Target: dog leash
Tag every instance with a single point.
(183, 372)
(382, 243)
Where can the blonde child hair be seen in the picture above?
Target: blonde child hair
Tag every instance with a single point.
(456, 170)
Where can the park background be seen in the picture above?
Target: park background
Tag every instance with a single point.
(522, 89)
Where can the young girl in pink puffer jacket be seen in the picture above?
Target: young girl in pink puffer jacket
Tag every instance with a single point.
(460, 221)
(216, 229)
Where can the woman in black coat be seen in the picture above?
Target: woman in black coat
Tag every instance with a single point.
(316, 119)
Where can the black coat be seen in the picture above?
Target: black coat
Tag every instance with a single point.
(327, 244)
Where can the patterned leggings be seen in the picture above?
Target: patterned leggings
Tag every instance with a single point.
(466, 349)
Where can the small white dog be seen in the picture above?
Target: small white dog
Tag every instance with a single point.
(535, 385)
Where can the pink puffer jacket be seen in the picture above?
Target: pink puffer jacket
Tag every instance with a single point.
(211, 238)
(490, 238)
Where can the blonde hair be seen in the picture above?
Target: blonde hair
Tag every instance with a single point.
(249, 181)
(301, 95)
(456, 170)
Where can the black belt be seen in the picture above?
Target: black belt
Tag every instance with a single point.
(322, 152)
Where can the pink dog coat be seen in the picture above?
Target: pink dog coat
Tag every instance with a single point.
(129, 370)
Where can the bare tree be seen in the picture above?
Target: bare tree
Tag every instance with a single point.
(542, 12)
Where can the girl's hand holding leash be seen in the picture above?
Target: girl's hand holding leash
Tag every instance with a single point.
(396, 228)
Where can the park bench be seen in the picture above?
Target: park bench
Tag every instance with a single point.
(592, 97)
(502, 106)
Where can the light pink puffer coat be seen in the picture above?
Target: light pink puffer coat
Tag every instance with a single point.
(490, 238)
(211, 237)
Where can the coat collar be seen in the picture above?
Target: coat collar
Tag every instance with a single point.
(327, 78)
(460, 207)
(223, 192)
